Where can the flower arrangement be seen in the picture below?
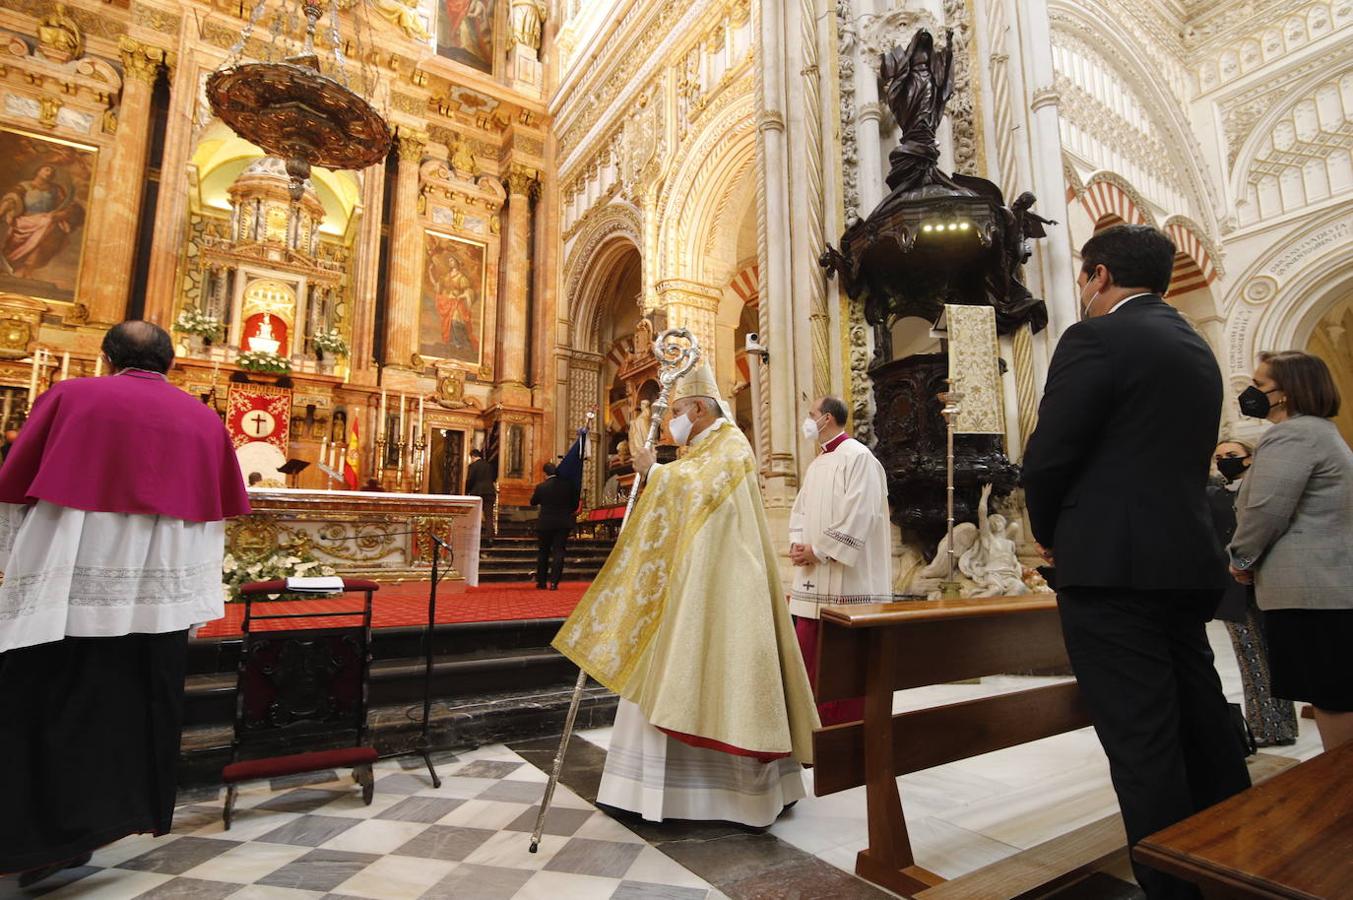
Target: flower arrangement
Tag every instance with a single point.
(264, 361)
(287, 561)
(202, 324)
(330, 342)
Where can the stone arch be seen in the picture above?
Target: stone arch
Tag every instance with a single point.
(1197, 262)
(1318, 103)
(609, 234)
(1109, 198)
(697, 197)
(1278, 301)
(1085, 20)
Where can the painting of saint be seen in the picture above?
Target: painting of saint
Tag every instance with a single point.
(465, 32)
(451, 318)
(44, 193)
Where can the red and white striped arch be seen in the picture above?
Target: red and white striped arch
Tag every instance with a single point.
(747, 284)
(1194, 267)
(1108, 203)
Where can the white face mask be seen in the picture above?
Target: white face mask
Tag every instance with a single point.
(811, 432)
(680, 427)
(1085, 305)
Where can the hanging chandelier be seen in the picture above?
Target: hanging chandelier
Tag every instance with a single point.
(289, 107)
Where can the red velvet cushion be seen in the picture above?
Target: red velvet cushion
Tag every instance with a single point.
(279, 586)
(276, 766)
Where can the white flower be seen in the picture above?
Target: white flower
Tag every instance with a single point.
(327, 570)
(229, 564)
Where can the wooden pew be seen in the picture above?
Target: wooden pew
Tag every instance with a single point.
(876, 650)
(1291, 836)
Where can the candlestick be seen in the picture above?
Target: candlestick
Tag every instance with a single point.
(65, 364)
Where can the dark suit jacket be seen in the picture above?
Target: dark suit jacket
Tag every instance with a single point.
(480, 478)
(1115, 474)
(1222, 503)
(558, 501)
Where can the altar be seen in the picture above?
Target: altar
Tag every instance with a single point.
(382, 536)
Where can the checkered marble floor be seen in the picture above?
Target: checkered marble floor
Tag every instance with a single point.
(311, 836)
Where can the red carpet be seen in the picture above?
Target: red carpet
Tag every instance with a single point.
(407, 604)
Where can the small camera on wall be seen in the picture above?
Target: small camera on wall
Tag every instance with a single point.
(753, 345)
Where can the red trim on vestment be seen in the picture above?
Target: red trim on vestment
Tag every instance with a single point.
(710, 744)
(835, 442)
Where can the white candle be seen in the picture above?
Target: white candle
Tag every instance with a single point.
(384, 419)
(338, 457)
(33, 378)
(65, 364)
(98, 367)
(324, 451)
(401, 415)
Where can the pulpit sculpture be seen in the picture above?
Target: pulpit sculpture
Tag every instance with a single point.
(936, 239)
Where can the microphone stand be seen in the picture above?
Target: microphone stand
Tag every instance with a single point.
(424, 747)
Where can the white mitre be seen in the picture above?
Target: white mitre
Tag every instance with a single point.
(699, 382)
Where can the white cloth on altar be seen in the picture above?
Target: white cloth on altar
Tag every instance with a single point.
(72, 573)
(659, 777)
(842, 513)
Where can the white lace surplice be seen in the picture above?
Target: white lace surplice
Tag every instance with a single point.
(71, 573)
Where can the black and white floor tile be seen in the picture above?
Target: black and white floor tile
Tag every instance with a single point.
(311, 836)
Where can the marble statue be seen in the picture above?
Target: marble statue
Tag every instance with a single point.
(991, 563)
(927, 582)
(528, 20)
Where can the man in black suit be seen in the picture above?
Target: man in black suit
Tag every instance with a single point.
(1115, 478)
(558, 501)
(481, 481)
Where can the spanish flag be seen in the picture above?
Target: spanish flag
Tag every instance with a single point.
(352, 457)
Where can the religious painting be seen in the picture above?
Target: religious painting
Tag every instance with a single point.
(465, 32)
(44, 199)
(451, 314)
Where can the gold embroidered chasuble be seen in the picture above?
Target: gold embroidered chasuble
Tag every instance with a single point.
(688, 619)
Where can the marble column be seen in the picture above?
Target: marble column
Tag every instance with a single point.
(693, 306)
(520, 182)
(126, 181)
(367, 268)
(406, 255)
(1055, 263)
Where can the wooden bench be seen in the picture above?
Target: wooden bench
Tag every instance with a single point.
(1291, 836)
(876, 650)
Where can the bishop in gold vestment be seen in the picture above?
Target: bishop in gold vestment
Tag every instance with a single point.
(687, 622)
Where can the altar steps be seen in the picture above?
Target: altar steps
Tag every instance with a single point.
(491, 681)
(513, 558)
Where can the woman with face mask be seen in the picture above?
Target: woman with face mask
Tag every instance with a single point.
(1294, 525)
(1272, 721)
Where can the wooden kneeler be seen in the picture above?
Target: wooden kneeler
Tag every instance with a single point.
(299, 691)
(876, 650)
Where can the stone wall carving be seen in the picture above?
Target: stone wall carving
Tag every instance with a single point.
(1228, 47)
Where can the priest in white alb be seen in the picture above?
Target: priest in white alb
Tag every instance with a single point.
(839, 538)
(687, 623)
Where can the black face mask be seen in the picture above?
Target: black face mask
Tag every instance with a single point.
(1255, 403)
(1231, 467)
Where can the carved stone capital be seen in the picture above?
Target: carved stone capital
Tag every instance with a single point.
(520, 180)
(412, 145)
(1044, 97)
(771, 120)
(140, 61)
